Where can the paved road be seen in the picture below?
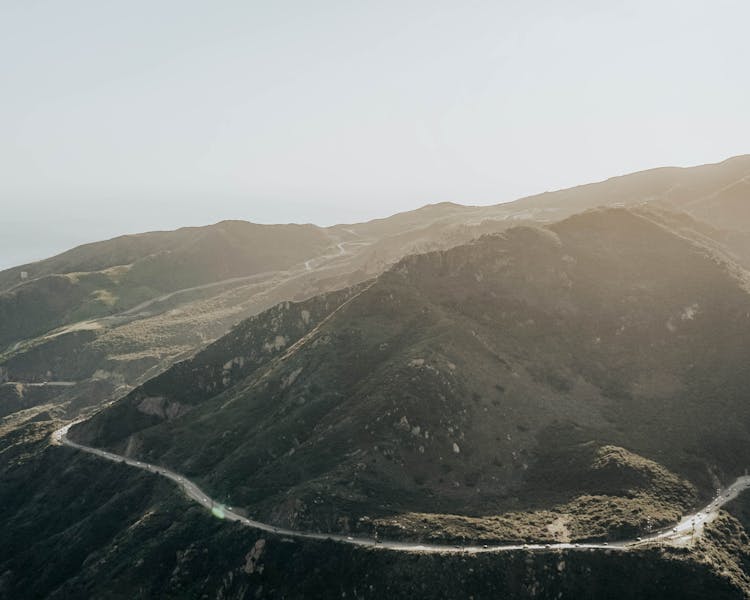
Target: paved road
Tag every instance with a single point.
(688, 529)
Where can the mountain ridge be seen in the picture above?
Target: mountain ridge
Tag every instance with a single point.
(454, 372)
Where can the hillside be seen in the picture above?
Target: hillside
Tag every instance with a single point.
(114, 328)
(469, 381)
(110, 315)
(74, 526)
(109, 277)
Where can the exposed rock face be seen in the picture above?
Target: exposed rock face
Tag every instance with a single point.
(252, 558)
(162, 407)
(227, 362)
(277, 343)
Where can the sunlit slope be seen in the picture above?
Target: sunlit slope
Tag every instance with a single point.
(710, 192)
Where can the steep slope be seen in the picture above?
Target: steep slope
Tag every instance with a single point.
(76, 527)
(467, 381)
(116, 327)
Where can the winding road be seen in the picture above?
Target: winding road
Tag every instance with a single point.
(327, 257)
(138, 310)
(683, 534)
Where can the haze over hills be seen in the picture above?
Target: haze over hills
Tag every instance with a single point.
(567, 367)
(111, 314)
(693, 190)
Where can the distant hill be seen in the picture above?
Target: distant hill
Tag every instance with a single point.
(107, 277)
(226, 249)
(710, 192)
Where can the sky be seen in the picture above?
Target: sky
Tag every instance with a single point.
(120, 117)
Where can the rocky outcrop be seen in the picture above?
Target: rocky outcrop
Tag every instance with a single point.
(162, 407)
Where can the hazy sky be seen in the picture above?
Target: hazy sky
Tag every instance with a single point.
(127, 116)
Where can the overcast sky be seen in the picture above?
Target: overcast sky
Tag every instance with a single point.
(127, 116)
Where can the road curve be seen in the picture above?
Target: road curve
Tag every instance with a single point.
(682, 534)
